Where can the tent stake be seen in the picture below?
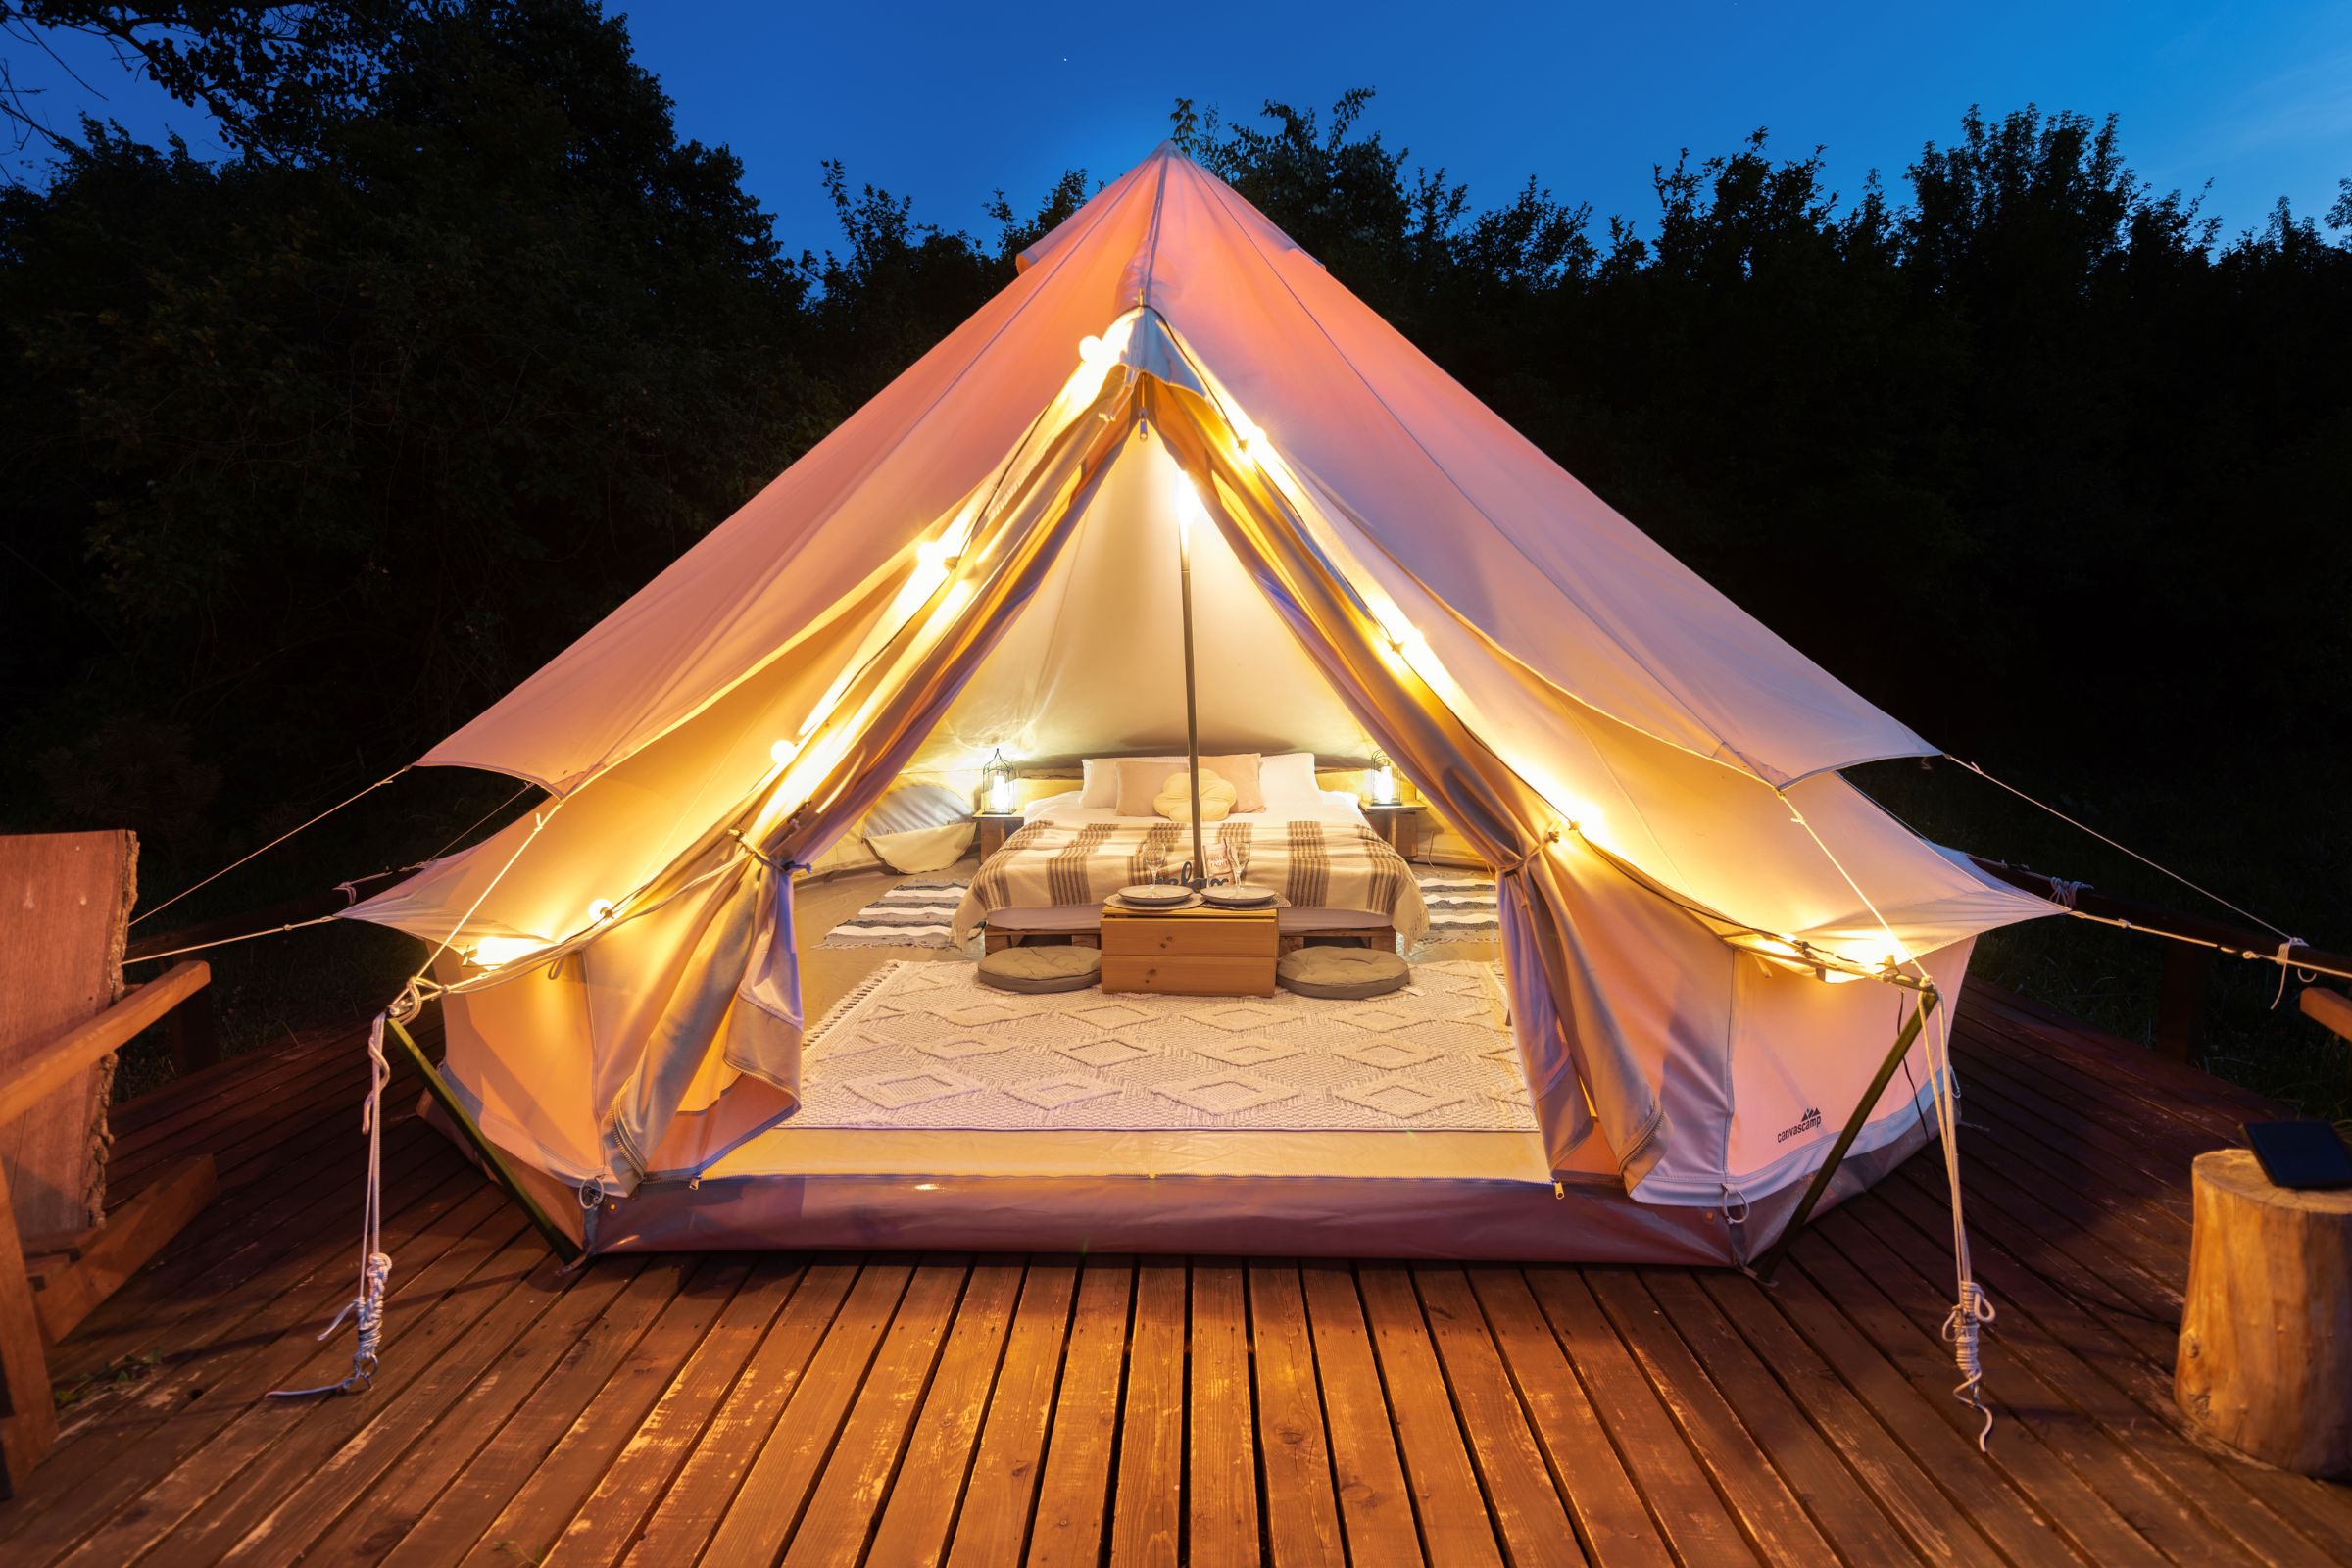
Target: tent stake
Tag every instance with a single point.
(1903, 1039)
(493, 1162)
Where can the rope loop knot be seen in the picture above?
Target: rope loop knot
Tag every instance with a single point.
(1962, 1327)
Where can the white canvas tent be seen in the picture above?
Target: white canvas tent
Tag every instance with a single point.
(1702, 922)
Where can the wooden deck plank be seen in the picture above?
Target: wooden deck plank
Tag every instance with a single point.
(914, 1527)
(148, 1430)
(1147, 1520)
(1376, 1508)
(847, 1497)
(1680, 1499)
(511, 1507)
(692, 1449)
(1456, 1525)
(436, 1503)
(2027, 1499)
(1871, 1443)
(756, 1519)
(1302, 1509)
(1526, 1506)
(2090, 1369)
(1220, 1464)
(1888, 1518)
(1001, 1487)
(470, 1278)
(461, 1343)
(1071, 1498)
(1768, 1515)
(392, 1468)
(2116, 1471)
(1612, 1524)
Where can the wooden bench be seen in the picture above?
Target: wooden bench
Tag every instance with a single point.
(1082, 925)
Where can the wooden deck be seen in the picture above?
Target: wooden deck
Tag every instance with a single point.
(914, 1409)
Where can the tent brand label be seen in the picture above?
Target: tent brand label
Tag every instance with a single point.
(1809, 1122)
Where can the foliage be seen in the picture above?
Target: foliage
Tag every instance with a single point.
(315, 451)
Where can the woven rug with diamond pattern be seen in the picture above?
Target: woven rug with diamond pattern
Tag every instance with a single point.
(926, 1045)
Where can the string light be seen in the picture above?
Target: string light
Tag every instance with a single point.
(491, 952)
(1187, 499)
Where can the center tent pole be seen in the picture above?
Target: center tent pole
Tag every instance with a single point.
(1191, 719)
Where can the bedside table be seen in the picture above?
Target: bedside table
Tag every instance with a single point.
(1399, 824)
(995, 828)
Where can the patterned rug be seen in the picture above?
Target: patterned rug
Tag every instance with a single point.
(917, 913)
(925, 1044)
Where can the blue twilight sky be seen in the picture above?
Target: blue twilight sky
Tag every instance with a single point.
(948, 102)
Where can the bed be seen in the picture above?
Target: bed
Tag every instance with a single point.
(1333, 873)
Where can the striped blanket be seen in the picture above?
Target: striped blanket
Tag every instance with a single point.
(1329, 865)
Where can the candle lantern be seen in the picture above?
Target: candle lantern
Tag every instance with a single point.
(996, 786)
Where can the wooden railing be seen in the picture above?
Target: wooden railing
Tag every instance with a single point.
(31, 1319)
(2192, 944)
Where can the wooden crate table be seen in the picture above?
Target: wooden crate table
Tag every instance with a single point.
(1199, 952)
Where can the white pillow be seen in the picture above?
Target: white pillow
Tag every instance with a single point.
(1288, 783)
(1046, 806)
(1100, 788)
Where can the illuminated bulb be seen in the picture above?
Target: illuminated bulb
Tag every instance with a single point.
(491, 951)
(1246, 435)
(1091, 350)
(933, 555)
(783, 752)
(601, 911)
(1188, 501)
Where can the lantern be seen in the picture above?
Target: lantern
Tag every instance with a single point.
(996, 786)
(1381, 781)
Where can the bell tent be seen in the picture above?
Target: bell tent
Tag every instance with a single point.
(1709, 939)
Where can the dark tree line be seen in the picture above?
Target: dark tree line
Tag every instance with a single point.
(309, 453)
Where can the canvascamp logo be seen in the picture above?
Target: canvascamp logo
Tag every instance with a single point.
(1809, 1122)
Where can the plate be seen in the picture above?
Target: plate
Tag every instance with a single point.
(1153, 894)
(1238, 895)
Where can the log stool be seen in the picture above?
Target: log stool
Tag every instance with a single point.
(2266, 1339)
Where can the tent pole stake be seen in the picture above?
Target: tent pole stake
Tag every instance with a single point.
(493, 1162)
(1903, 1040)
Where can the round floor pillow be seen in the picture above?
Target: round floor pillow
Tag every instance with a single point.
(1042, 969)
(1346, 974)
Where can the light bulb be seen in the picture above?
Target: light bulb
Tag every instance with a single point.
(783, 752)
(601, 911)
(1246, 435)
(1090, 350)
(1187, 499)
(490, 952)
(933, 555)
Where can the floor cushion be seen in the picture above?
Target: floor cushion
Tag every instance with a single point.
(1346, 974)
(1039, 969)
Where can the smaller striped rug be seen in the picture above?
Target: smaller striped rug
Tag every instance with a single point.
(919, 914)
(1462, 906)
(913, 915)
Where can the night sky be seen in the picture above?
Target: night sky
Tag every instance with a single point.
(948, 103)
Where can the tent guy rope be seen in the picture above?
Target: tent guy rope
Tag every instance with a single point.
(1972, 1308)
(272, 845)
(366, 1308)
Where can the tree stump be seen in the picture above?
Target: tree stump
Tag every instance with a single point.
(2266, 1339)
